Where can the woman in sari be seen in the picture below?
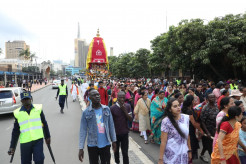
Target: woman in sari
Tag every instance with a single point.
(225, 149)
(225, 104)
(191, 92)
(156, 115)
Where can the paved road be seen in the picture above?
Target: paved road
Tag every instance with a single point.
(64, 130)
(152, 150)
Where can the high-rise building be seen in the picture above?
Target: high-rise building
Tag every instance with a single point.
(81, 50)
(111, 51)
(13, 49)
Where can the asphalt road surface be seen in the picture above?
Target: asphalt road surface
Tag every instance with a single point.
(64, 129)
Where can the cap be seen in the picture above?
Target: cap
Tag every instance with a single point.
(25, 95)
(235, 92)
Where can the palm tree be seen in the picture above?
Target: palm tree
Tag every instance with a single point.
(32, 56)
(27, 54)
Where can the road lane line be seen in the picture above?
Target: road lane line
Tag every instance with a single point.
(8, 128)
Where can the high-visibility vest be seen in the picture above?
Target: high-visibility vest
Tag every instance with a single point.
(30, 124)
(178, 82)
(233, 86)
(62, 89)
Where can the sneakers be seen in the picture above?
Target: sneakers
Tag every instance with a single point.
(204, 159)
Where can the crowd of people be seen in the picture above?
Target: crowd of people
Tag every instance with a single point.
(25, 83)
(176, 115)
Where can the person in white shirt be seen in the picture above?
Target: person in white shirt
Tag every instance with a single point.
(84, 87)
(243, 97)
(74, 91)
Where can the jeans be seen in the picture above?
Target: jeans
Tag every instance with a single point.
(243, 159)
(33, 148)
(123, 142)
(103, 153)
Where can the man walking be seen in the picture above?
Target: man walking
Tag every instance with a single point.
(62, 92)
(97, 122)
(84, 87)
(103, 94)
(121, 113)
(30, 125)
(74, 91)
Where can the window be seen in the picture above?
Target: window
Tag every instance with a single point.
(6, 94)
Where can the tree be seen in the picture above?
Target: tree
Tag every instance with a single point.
(214, 51)
(68, 73)
(27, 54)
(59, 73)
(30, 69)
(52, 72)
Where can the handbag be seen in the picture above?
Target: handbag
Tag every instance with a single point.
(135, 125)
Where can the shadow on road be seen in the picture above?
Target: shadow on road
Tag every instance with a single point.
(6, 116)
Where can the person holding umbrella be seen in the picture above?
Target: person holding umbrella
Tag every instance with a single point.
(30, 126)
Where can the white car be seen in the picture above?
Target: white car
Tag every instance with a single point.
(56, 84)
(10, 99)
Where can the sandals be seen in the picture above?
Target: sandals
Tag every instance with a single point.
(152, 141)
(146, 142)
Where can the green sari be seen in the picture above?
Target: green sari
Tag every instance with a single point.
(156, 115)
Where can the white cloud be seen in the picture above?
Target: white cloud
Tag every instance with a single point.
(125, 25)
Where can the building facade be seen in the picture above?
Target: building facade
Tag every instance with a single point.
(111, 51)
(81, 51)
(13, 49)
(73, 70)
(16, 65)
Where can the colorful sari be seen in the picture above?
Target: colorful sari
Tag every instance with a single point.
(156, 115)
(229, 143)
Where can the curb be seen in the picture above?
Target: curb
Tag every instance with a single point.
(41, 88)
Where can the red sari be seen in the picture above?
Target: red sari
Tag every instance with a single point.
(229, 144)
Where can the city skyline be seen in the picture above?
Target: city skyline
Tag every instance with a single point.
(51, 29)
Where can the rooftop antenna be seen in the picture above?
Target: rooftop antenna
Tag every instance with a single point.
(78, 36)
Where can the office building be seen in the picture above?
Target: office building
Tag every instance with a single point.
(81, 50)
(111, 51)
(73, 70)
(13, 49)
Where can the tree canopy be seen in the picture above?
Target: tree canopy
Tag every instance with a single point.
(31, 69)
(27, 54)
(208, 49)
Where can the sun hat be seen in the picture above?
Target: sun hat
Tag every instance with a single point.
(235, 92)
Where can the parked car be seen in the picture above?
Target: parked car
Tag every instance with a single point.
(10, 99)
(56, 84)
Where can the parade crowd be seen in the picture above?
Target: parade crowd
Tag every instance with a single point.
(175, 114)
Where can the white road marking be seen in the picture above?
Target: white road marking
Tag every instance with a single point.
(9, 127)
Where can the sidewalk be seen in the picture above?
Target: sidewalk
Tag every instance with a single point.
(36, 87)
(136, 156)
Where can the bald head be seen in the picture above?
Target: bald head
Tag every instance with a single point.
(211, 98)
(121, 93)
